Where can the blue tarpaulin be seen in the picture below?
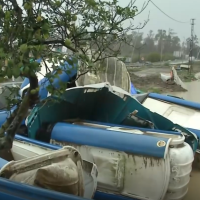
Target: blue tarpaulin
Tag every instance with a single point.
(133, 90)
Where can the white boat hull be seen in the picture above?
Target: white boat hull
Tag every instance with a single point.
(178, 114)
(165, 77)
(131, 175)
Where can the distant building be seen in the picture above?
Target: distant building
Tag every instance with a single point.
(178, 54)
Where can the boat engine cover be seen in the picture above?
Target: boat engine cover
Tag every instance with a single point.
(59, 171)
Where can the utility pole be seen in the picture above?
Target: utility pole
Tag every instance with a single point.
(161, 46)
(191, 45)
(161, 43)
(198, 54)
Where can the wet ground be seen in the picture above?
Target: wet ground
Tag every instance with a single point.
(194, 191)
(148, 79)
(193, 93)
(153, 83)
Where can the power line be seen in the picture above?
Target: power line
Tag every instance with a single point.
(167, 14)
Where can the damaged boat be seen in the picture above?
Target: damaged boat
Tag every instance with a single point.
(130, 147)
(180, 111)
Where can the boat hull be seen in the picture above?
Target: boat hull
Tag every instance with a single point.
(17, 191)
(165, 77)
(128, 171)
(25, 152)
(179, 111)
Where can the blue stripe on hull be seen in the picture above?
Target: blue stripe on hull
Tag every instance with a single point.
(127, 142)
(196, 131)
(105, 196)
(68, 72)
(17, 191)
(36, 142)
(178, 101)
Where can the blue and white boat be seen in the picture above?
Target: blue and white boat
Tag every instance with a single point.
(130, 151)
(128, 161)
(26, 172)
(130, 145)
(125, 82)
(180, 111)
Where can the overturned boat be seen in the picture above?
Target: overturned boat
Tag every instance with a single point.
(130, 145)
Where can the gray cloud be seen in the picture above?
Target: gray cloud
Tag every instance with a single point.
(178, 9)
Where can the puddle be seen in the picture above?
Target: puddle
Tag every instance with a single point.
(193, 92)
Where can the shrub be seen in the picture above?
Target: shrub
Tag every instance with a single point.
(153, 57)
(167, 57)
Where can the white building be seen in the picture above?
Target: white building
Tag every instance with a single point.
(178, 54)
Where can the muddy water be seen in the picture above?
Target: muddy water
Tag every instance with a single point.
(193, 94)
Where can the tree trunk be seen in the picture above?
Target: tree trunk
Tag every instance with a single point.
(14, 121)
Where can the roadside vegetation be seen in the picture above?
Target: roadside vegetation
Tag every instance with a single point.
(154, 57)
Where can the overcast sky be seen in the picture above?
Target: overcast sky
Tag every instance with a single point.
(181, 10)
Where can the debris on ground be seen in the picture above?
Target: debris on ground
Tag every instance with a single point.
(153, 83)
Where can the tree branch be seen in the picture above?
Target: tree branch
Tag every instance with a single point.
(8, 122)
(29, 100)
(49, 42)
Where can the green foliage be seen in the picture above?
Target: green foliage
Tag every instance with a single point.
(153, 57)
(166, 64)
(154, 42)
(81, 26)
(167, 57)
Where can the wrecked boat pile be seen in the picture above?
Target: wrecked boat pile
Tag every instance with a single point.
(130, 145)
